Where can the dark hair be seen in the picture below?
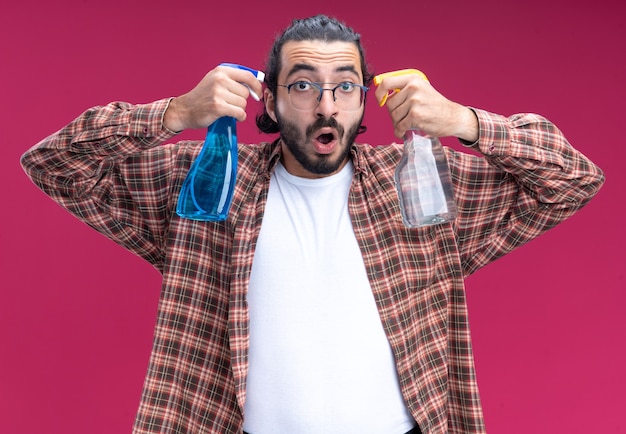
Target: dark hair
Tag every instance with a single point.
(316, 28)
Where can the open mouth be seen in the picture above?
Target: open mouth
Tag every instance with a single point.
(325, 138)
(326, 142)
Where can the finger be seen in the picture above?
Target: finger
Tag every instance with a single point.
(384, 91)
(247, 79)
(234, 103)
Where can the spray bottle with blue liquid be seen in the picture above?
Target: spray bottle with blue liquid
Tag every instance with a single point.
(207, 190)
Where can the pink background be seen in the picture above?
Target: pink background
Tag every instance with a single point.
(77, 312)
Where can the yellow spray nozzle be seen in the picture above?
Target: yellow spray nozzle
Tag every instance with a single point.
(380, 77)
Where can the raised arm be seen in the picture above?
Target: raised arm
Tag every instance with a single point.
(530, 180)
(108, 169)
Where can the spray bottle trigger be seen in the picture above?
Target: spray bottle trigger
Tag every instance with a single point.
(380, 77)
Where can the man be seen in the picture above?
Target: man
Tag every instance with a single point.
(312, 308)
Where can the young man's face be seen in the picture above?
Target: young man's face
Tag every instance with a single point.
(316, 140)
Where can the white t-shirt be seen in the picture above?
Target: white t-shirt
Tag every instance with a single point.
(319, 358)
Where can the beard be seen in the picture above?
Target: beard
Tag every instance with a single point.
(317, 164)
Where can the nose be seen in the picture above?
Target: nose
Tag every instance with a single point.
(326, 107)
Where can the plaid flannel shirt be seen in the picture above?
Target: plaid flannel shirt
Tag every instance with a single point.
(111, 169)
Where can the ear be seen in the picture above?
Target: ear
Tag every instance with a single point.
(270, 103)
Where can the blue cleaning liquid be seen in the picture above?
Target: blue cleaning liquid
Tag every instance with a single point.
(207, 191)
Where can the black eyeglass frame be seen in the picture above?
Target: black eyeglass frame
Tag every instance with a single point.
(318, 86)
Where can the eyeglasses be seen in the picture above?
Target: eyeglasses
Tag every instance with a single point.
(305, 95)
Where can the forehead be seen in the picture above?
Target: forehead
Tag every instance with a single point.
(320, 56)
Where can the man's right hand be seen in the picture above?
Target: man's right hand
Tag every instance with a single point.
(222, 92)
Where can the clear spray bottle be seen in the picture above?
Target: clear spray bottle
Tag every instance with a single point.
(423, 180)
(207, 190)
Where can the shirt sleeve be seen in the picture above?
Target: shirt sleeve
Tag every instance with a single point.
(108, 169)
(531, 180)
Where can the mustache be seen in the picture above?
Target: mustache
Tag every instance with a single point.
(323, 123)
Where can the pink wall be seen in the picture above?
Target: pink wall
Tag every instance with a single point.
(77, 312)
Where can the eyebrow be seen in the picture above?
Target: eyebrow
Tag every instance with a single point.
(306, 67)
